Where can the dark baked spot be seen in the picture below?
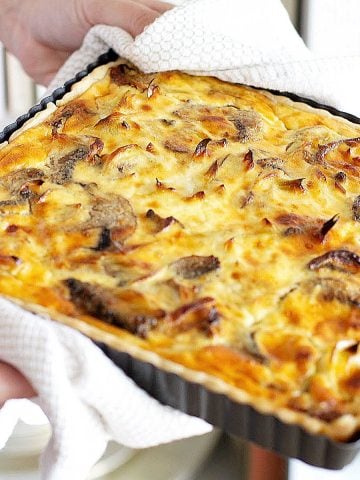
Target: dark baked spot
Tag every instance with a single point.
(194, 266)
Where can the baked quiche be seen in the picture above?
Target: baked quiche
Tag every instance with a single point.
(210, 228)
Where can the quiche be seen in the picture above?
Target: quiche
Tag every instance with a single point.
(212, 229)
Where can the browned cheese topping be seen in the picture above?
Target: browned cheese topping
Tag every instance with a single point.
(212, 224)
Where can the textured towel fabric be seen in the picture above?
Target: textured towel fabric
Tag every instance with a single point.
(244, 41)
(87, 399)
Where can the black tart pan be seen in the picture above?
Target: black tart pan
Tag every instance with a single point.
(242, 420)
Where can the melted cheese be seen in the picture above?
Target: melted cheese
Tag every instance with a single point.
(140, 171)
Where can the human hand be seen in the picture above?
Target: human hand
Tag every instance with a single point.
(13, 384)
(42, 34)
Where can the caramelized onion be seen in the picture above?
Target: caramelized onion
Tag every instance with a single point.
(160, 223)
(214, 167)
(201, 314)
(295, 185)
(249, 160)
(9, 260)
(152, 89)
(328, 225)
(162, 186)
(323, 150)
(248, 200)
(201, 148)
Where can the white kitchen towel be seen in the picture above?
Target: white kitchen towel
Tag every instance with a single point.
(85, 397)
(245, 41)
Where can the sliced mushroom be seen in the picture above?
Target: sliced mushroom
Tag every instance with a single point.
(296, 224)
(341, 290)
(78, 108)
(343, 260)
(195, 266)
(230, 121)
(125, 309)
(252, 348)
(113, 213)
(305, 225)
(247, 123)
(356, 209)
(14, 181)
(273, 163)
(177, 144)
(126, 270)
(62, 168)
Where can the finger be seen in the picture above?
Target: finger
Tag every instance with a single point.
(160, 7)
(43, 76)
(44, 63)
(127, 14)
(47, 78)
(13, 384)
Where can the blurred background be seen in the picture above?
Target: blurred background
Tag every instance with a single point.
(211, 457)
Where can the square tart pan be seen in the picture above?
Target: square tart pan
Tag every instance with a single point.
(238, 419)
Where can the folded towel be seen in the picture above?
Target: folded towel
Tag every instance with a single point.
(244, 41)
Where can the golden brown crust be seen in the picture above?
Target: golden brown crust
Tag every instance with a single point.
(206, 227)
